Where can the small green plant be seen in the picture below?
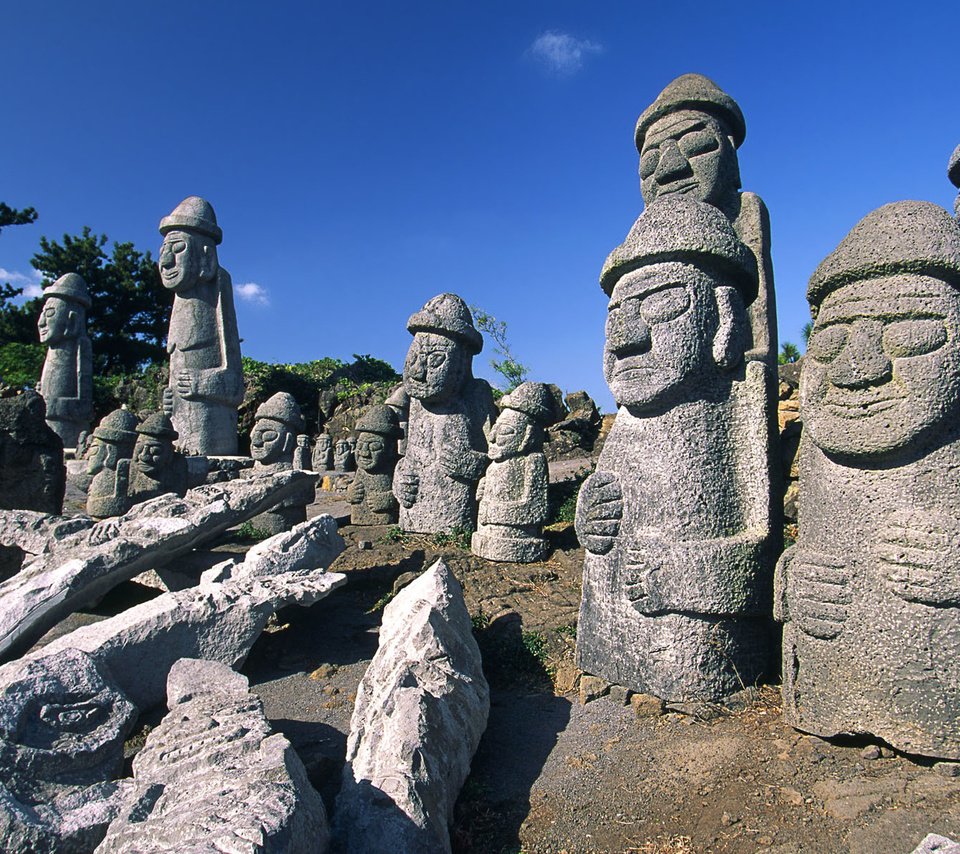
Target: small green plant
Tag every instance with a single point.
(394, 535)
(508, 367)
(382, 602)
(457, 538)
(567, 631)
(480, 621)
(248, 532)
(536, 644)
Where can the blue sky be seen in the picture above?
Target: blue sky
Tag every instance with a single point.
(362, 157)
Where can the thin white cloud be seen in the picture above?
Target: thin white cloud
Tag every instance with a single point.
(560, 53)
(30, 282)
(253, 293)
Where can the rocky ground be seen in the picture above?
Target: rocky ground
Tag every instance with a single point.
(555, 775)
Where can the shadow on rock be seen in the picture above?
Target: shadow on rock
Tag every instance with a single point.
(322, 749)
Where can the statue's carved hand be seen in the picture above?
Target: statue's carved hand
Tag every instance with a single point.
(168, 401)
(406, 485)
(356, 492)
(917, 553)
(818, 593)
(186, 385)
(644, 563)
(103, 531)
(599, 511)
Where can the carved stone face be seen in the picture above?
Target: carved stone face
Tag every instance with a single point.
(507, 435)
(270, 441)
(883, 365)
(185, 260)
(661, 322)
(372, 452)
(54, 324)
(102, 455)
(324, 444)
(153, 455)
(435, 368)
(688, 152)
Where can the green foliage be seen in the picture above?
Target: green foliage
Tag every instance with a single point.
(395, 535)
(535, 644)
(789, 352)
(507, 366)
(805, 332)
(248, 532)
(567, 631)
(12, 216)
(480, 621)
(20, 364)
(563, 494)
(139, 392)
(457, 538)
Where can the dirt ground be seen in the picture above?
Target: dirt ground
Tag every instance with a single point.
(555, 775)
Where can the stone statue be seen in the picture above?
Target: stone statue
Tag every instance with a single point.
(301, 454)
(323, 453)
(157, 468)
(343, 459)
(206, 379)
(108, 463)
(273, 441)
(953, 173)
(399, 402)
(513, 492)
(688, 140)
(66, 383)
(870, 594)
(450, 411)
(371, 492)
(676, 520)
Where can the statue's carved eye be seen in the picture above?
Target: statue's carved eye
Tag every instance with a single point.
(435, 360)
(913, 337)
(827, 343)
(178, 246)
(72, 717)
(698, 142)
(269, 435)
(664, 305)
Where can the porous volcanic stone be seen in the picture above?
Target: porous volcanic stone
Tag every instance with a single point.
(32, 474)
(371, 492)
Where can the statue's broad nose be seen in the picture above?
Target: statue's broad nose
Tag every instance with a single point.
(628, 334)
(862, 361)
(672, 163)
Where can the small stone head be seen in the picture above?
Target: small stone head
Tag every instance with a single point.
(276, 425)
(519, 427)
(882, 371)
(688, 140)
(64, 313)
(154, 452)
(377, 434)
(678, 289)
(343, 455)
(113, 440)
(440, 358)
(188, 254)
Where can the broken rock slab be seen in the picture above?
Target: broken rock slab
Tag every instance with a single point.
(211, 777)
(82, 567)
(932, 843)
(421, 709)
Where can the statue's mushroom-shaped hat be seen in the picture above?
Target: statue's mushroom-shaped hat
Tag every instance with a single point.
(532, 399)
(159, 426)
(681, 228)
(694, 92)
(119, 427)
(70, 287)
(902, 237)
(398, 399)
(380, 419)
(193, 214)
(283, 408)
(447, 314)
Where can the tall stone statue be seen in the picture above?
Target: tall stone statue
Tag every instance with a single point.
(512, 494)
(66, 383)
(323, 452)
(450, 411)
(371, 492)
(206, 379)
(273, 442)
(157, 468)
(688, 140)
(870, 594)
(676, 520)
(108, 463)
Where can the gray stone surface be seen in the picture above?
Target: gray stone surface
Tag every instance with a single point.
(420, 711)
(212, 778)
(450, 412)
(677, 519)
(301, 454)
(108, 464)
(371, 492)
(32, 474)
(399, 401)
(953, 173)
(157, 468)
(512, 494)
(273, 443)
(206, 378)
(933, 843)
(82, 567)
(343, 459)
(870, 594)
(66, 381)
(688, 140)
(323, 453)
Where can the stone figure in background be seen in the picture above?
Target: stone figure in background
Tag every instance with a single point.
(301, 454)
(156, 468)
(450, 411)
(323, 453)
(66, 382)
(953, 173)
(399, 402)
(512, 494)
(688, 140)
(206, 378)
(676, 520)
(870, 594)
(371, 492)
(273, 440)
(343, 459)
(108, 463)
(83, 444)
